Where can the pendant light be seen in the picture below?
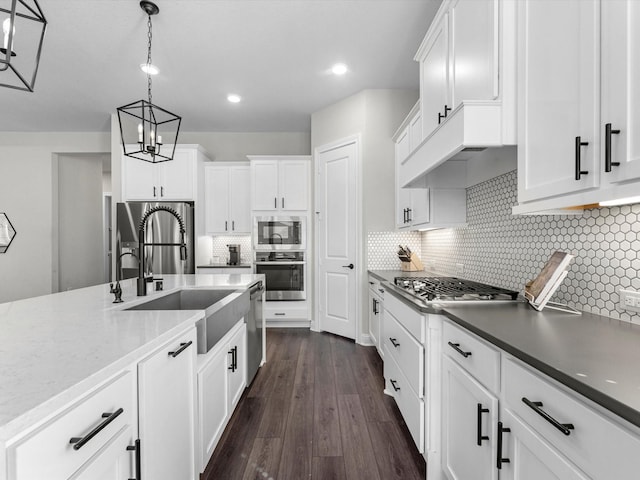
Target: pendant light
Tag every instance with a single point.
(148, 132)
(23, 27)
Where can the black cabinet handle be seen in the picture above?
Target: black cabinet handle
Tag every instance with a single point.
(381, 290)
(375, 306)
(579, 145)
(183, 347)
(162, 191)
(394, 342)
(154, 192)
(350, 266)
(537, 407)
(608, 131)
(404, 216)
(232, 366)
(136, 447)
(233, 225)
(393, 384)
(500, 459)
(440, 117)
(225, 226)
(456, 347)
(409, 215)
(446, 111)
(282, 202)
(371, 283)
(235, 358)
(275, 202)
(479, 435)
(79, 442)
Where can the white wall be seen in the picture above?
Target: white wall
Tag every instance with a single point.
(374, 115)
(26, 197)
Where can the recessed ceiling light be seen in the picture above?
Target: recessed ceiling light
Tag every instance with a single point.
(339, 69)
(233, 98)
(149, 68)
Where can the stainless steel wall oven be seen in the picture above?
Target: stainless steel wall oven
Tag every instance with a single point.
(285, 274)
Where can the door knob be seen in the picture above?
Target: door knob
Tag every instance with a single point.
(350, 266)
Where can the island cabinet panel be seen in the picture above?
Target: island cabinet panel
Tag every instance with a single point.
(49, 453)
(167, 410)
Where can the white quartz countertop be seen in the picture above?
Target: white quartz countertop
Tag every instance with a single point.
(55, 347)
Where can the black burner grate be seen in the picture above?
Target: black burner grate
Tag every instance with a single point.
(433, 288)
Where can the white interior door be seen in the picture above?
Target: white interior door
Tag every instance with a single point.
(337, 239)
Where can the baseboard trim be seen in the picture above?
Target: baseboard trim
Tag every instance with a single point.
(365, 340)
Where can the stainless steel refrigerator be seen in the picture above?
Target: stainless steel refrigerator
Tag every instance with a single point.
(161, 227)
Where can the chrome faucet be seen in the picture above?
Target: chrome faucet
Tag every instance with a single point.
(142, 281)
(117, 290)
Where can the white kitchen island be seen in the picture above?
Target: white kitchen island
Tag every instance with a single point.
(59, 348)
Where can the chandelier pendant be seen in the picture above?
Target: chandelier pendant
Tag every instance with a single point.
(143, 124)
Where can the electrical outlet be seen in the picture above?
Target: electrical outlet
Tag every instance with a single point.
(630, 300)
(459, 269)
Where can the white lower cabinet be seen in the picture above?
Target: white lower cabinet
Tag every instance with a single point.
(469, 413)
(82, 435)
(222, 377)
(113, 461)
(527, 456)
(166, 389)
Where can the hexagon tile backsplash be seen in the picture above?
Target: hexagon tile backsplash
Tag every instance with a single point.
(508, 250)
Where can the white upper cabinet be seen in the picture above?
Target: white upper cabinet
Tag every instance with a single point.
(434, 75)
(620, 91)
(578, 74)
(558, 76)
(175, 180)
(280, 183)
(227, 199)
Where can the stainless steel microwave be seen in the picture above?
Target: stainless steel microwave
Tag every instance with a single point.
(279, 233)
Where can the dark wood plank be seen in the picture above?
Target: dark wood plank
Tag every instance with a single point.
(264, 460)
(274, 420)
(327, 439)
(342, 349)
(328, 468)
(306, 365)
(393, 453)
(295, 463)
(368, 386)
(230, 456)
(359, 459)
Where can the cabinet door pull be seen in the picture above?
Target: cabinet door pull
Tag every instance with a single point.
(154, 192)
(283, 202)
(225, 226)
(479, 435)
(500, 459)
(608, 131)
(579, 172)
(446, 111)
(409, 215)
(233, 225)
(162, 191)
(374, 306)
(381, 290)
(440, 117)
(394, 342)
(183, 347)
(371, 283)
(456, 347)
(235, 358)
(136, 447)
(537, 407)
(275, 202)
(79, 442)
(393, 384)
(404, 216)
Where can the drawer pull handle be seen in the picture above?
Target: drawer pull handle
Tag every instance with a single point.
(537, 407)
(136, 447)
(456, 347)
(183, 347)
(279, 314)
(393, 384)
(381, 290)
(579, 172)
(500, 459)
(608, 131)
(79, 442)
(481, 437)
(394, 342)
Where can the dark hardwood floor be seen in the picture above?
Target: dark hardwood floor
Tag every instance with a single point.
(316, 410)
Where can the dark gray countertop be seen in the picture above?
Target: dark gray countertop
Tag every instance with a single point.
(596, 356)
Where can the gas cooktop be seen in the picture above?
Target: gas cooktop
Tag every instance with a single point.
(452, 289)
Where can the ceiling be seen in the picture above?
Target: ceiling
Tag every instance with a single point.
(276, 54)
